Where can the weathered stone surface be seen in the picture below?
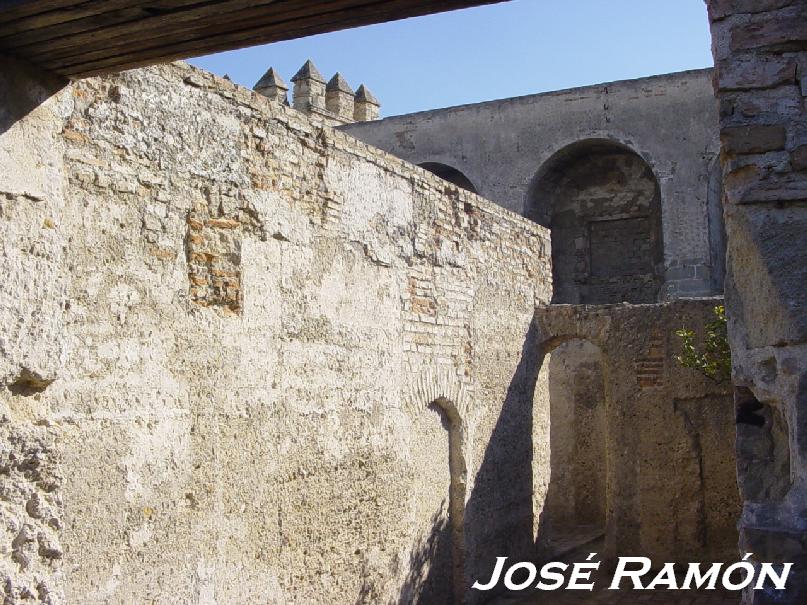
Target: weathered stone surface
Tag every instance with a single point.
(720, 9)
(772, 30)
(33, 340)
(272, 86)
(776, 188)
(755, 138)
(339, 97)
(766, 225)
(749, 73)
(214, 308)
(367, 107)
(798, 158)
(760, 106)
(802, 73)
(603, 208)
(228, 325)
(768, 245)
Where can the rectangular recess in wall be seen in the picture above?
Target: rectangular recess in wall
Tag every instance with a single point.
(621, 247)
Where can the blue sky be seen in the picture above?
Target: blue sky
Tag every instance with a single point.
(492, 52)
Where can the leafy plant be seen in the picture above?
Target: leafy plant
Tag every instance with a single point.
(713, 357)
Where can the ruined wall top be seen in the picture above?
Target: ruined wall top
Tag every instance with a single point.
(334, 103)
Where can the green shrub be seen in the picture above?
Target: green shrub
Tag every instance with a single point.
(713, 357)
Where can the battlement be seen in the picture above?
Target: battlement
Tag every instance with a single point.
(334, 103)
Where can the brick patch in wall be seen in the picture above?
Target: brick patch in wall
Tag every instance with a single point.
(650, 366)
(213, 249)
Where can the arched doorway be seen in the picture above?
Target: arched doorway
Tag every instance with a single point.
(570, 504)
(602, 203)
(450, 174)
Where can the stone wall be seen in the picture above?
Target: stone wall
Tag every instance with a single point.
(249, 359)
(760, 51)
(504, 147)
(669, 487)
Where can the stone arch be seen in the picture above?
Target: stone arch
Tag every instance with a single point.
(602, 202)
(440, 383)
(440, 391)
(458, 473)
(570, 505)
(450, 174)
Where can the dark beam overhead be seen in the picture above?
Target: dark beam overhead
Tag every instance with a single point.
(92, 37)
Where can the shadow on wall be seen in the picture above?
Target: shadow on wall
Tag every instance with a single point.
(498, 515)
(437, 562)
(19, 96)
(517, 512)
(450, 174)
(427, 581)
(717, 227)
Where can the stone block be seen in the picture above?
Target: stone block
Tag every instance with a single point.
(798, 158)
(720, 9)
(748, 73)
(761, 106)
(767, 243)
(753, 138)
(775, 188)
(782, 30)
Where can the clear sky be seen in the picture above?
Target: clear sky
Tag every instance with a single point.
(492, 52)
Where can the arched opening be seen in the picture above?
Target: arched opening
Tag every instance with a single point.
(450, 174)
(602, 203)
(570, 504)
(456, 494)
(437, 573)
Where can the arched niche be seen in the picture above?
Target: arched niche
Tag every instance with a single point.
(438, 407)
(450, 174)
(457, 471)
(602, 203)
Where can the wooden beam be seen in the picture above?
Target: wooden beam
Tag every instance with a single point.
(82, 16)
(100, 36)
(239, 14)
(17, 9)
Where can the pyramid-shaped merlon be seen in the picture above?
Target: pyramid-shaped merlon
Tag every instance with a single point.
(366, 107)
(308, 71)
(270, 79)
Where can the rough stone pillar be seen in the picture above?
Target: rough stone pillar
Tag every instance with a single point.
(273, 87)
(760, 50)
(309, 88)
(367, 106)
(339, 97)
